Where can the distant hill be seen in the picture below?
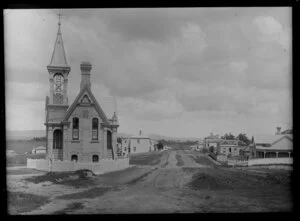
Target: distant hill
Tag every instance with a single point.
(30, 134)
(159, 137)
(24, 135)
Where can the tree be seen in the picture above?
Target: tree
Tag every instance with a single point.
(228, 136)
(243, 137)
(160, 145)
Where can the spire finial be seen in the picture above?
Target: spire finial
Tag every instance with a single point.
(59, 15)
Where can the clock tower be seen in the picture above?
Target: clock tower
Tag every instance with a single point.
(58, 73)
(57, 101)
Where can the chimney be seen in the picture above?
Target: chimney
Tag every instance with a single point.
(85, 68)
(278, 131)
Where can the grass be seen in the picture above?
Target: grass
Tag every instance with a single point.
(82, 178)
(238, 179)
(204, 161)
(88, 194)
(240, 190)
(19, 202)
(22, 171)
(179, 160)
(71, 207)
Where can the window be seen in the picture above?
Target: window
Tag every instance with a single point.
(229, 149)
(138, 140)
(75, 132)
(74, 158)
(58, 83)
(95, 158)
(134, 149)
(95, 129)
(57, 139)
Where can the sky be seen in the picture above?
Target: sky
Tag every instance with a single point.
(180, 72)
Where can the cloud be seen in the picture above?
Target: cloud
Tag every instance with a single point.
(142, 24)
(160, 64)
(25, 91)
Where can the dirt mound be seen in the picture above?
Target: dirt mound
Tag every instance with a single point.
(79, 178)
(207, 181)
(85, 173)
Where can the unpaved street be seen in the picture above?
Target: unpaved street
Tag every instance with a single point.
(167, 187)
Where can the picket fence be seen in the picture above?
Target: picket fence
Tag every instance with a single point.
(103, 166)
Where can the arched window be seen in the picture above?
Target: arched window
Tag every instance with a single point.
(95, 158)
(74, 158)
(95, 129)
(57, 139)
(75, 132)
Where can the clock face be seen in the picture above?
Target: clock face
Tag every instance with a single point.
(58, 83)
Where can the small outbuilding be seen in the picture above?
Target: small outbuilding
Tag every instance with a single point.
(39, 150)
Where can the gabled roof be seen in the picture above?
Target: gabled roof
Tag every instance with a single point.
(270, 139)
(59, 56)
(87, 90)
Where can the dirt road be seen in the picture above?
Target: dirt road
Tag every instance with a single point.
(194, 185)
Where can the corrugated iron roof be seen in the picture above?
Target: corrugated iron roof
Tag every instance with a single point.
(270, 139)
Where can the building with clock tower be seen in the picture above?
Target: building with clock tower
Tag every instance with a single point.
(80, 132)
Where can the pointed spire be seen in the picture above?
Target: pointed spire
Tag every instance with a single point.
(59, 56)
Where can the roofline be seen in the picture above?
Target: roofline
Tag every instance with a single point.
(97, 106)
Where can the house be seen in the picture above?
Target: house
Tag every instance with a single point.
(231, 147)
(39, 150)
(274, 146)
(198, 147)
(212, 141)
(81, 131)
(139, 144)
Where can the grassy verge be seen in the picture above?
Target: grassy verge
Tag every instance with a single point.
(71, 207)
(76, 179)
(179, 160)
(204, 161)
(22, 171)
(19, 202)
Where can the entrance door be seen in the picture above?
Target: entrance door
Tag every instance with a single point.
(109, 144)
(58, 144)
